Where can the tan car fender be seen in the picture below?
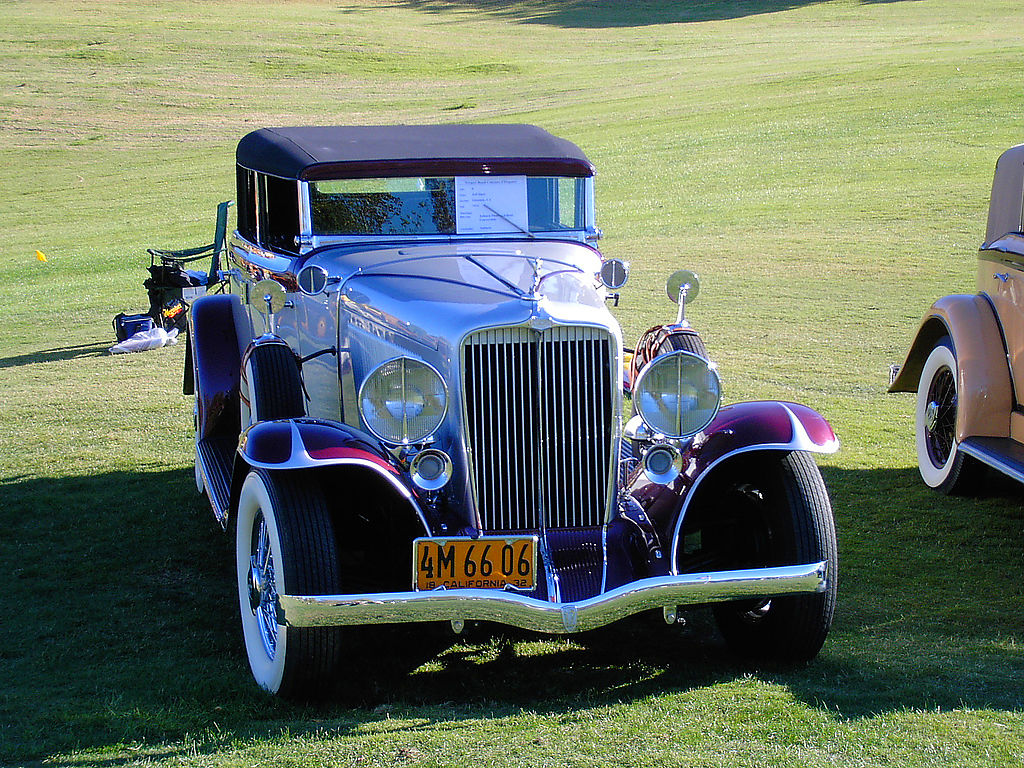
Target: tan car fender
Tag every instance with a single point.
(983, 375)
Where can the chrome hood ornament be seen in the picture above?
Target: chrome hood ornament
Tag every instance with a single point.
(537, 265)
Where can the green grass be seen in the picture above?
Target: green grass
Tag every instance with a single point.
(825, 167)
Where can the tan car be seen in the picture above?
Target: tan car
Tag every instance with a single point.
(967, 360)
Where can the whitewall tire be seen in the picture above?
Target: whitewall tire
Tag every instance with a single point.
(284, 544)
(942, 465)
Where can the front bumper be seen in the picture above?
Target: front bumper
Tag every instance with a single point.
(529, 613)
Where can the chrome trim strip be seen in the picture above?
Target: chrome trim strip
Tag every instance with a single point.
(581, 236)
(305, 235)
(555, 618)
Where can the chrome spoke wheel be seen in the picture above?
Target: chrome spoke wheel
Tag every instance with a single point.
(940, 416)
(274, 512)
(262, 586)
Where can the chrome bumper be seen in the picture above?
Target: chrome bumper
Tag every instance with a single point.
(556, 618)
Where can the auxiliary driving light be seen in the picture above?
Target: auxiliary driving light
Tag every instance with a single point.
(430, 469)
(662, 463)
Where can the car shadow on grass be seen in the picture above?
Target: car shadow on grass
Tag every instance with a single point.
(594, 14)
(58, 354)
(127, 633)
(929, 616)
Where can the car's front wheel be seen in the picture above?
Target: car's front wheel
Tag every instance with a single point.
(942, 465)
(285, 544)
(773, 509)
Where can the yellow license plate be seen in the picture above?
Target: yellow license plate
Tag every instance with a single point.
(489, 562)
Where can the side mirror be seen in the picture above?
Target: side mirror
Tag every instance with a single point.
(271, 294)
(682, 287)
(614, 273)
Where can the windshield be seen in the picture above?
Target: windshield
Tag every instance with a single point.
(448, 205)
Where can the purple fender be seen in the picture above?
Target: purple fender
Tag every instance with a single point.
(767, 425)
(213, 362)
(312, 443)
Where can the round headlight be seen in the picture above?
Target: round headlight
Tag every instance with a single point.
(677, 394)
(403, 401)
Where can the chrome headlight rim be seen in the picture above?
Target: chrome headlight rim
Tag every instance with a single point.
(406, 438)
(675, 429)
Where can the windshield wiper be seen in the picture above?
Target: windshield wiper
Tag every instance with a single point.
(526, 232)
(507, 283)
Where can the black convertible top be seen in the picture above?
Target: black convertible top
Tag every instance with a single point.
(332, 152)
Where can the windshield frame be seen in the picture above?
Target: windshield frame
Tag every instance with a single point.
(479, 219)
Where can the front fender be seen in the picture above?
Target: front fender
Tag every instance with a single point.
(308, 443)
(739, 428)
(312, 443)
(215, 346)
(983, 375)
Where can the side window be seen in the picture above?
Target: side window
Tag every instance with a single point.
(245, 181)
(268, 209)
(277, 203)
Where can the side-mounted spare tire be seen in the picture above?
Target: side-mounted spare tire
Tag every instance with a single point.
(686, 341)
(271, 384)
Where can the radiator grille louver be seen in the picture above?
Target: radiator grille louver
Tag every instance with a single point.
(538, 417)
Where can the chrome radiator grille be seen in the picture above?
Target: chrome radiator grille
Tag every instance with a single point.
(538, 415)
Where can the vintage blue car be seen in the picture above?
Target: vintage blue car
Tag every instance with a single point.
(409, 408)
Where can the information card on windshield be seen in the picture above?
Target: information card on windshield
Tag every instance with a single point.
(490, 204)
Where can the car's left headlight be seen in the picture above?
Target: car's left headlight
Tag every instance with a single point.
(677, 394)
(403, 401)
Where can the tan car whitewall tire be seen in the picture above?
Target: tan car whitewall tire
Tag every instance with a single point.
(942, 465)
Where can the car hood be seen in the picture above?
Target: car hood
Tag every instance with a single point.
(436, 294)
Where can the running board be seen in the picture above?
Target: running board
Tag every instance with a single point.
(1000, 453)
(216, 457)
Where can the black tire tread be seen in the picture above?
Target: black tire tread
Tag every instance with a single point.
(796, 626)
(685, 342)
(310, 568)
(809, 628)
(965, 476)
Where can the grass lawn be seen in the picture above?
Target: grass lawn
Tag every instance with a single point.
(825, 167)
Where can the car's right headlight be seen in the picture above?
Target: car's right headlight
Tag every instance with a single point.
(677, 394)
(403, 401)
